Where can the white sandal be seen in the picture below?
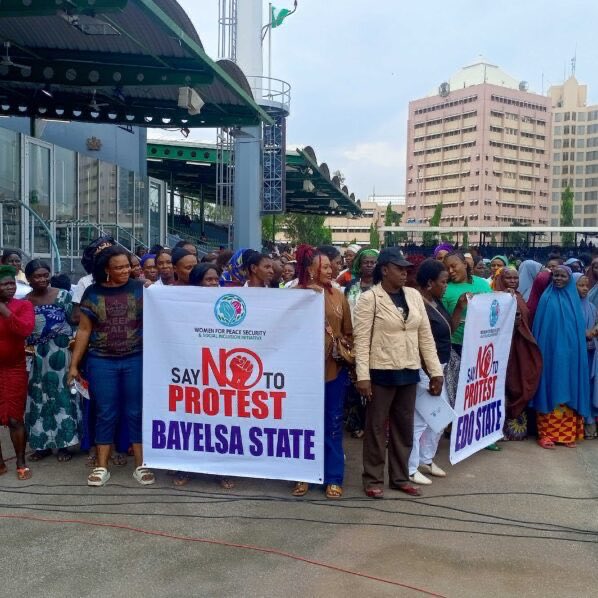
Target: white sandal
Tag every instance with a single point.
(144, 476)
(101, 475)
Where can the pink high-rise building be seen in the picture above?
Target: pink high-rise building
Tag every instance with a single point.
(481, 145)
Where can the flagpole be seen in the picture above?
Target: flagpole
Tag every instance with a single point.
(270, 52)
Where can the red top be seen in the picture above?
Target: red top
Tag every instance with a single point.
(14, 330)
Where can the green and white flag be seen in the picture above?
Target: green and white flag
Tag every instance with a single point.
(279, 15)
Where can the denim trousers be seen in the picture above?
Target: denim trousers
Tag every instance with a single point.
(334, 402)
(115, 385)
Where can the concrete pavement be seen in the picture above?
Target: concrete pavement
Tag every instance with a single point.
(523, 521)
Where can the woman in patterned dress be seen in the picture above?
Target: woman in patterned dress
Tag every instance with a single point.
(53, 414)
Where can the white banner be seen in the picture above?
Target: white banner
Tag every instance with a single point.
(233, 381)
(480, 403)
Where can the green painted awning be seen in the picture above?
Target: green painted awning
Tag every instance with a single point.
(124, 62)
(191, 167)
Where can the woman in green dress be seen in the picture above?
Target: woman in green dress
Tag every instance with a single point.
(53, 414)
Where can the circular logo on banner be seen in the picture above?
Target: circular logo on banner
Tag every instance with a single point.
(494, 313)
(487, 361)
(230, 310)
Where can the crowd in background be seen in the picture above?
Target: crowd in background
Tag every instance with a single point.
(71, 357)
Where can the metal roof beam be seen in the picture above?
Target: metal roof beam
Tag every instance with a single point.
(44, 8)
(89, 74)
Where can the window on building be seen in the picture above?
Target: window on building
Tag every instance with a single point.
(10, 188)
(581, 116)
(591, 208)
(577, 209)
(557, 144)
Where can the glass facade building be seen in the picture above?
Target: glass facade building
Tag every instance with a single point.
(49, 191)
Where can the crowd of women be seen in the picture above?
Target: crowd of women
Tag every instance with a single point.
(71, 360)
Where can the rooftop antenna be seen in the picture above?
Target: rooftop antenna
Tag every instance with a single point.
(574, 62)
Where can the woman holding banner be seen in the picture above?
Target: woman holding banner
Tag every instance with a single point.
(562, 400)
(461, 284)
(392, 330)
(525, 361)
(315, 272)
(432, 279)
(111, 332)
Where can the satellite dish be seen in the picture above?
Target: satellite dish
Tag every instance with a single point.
(523, 86)
(444, 89)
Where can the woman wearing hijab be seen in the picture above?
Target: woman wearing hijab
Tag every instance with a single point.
(17, 320)
(524, 367)
(496, 264)
(442, 250)
(592, 274)
(235, 271)
(562, 400)
(590, 314)
(528, 270)
(540, 284)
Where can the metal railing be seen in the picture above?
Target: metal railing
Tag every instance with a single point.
(269, 89)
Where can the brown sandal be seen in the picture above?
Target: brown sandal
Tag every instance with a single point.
(334, 491)
(300, 489)
(23, 473)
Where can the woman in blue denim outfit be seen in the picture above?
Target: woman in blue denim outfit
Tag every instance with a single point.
(111, 331)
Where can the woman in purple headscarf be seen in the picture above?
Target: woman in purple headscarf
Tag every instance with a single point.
(442, 251)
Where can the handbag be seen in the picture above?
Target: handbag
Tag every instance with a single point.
(340, 352)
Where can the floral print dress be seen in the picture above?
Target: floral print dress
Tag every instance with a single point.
(53, 414)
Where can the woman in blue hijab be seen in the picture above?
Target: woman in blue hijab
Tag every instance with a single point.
(562, 400)
(528, 270)
(590, 314)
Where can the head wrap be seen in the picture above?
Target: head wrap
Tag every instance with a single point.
(178, 253)
(356, 267)
(7, 272)
(443, 247)
(528, 271)
(354, 248)
(573, 260)
(498, 284)
(233, 273)
(503, 258)
(147, 256)
(566, 269)
(559, 329)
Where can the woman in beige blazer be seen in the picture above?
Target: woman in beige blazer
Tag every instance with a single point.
(391, 332)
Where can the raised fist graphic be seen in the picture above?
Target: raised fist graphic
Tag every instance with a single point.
(241, 369)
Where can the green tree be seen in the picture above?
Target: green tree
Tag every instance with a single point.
(465, 242)
(517, 239)
(432, 238)
(567, 239)
(307, 228)
(374, 237)
(272, 225)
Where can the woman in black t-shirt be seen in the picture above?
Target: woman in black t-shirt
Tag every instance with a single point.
(432, 279)
(111, 332)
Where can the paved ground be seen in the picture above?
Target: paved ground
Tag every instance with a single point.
(516, 523)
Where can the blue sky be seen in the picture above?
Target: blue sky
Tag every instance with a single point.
(354, 66)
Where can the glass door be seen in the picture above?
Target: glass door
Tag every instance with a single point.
(157, 212)
(38, 195)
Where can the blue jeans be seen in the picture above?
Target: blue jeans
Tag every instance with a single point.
(334, 402)
(115, 384)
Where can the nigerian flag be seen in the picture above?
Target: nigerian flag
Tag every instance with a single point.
(279, 15)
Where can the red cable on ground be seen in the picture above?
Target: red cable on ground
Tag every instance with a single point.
(273, 551)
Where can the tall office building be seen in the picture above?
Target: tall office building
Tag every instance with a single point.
(575, 153)
(481, 145)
